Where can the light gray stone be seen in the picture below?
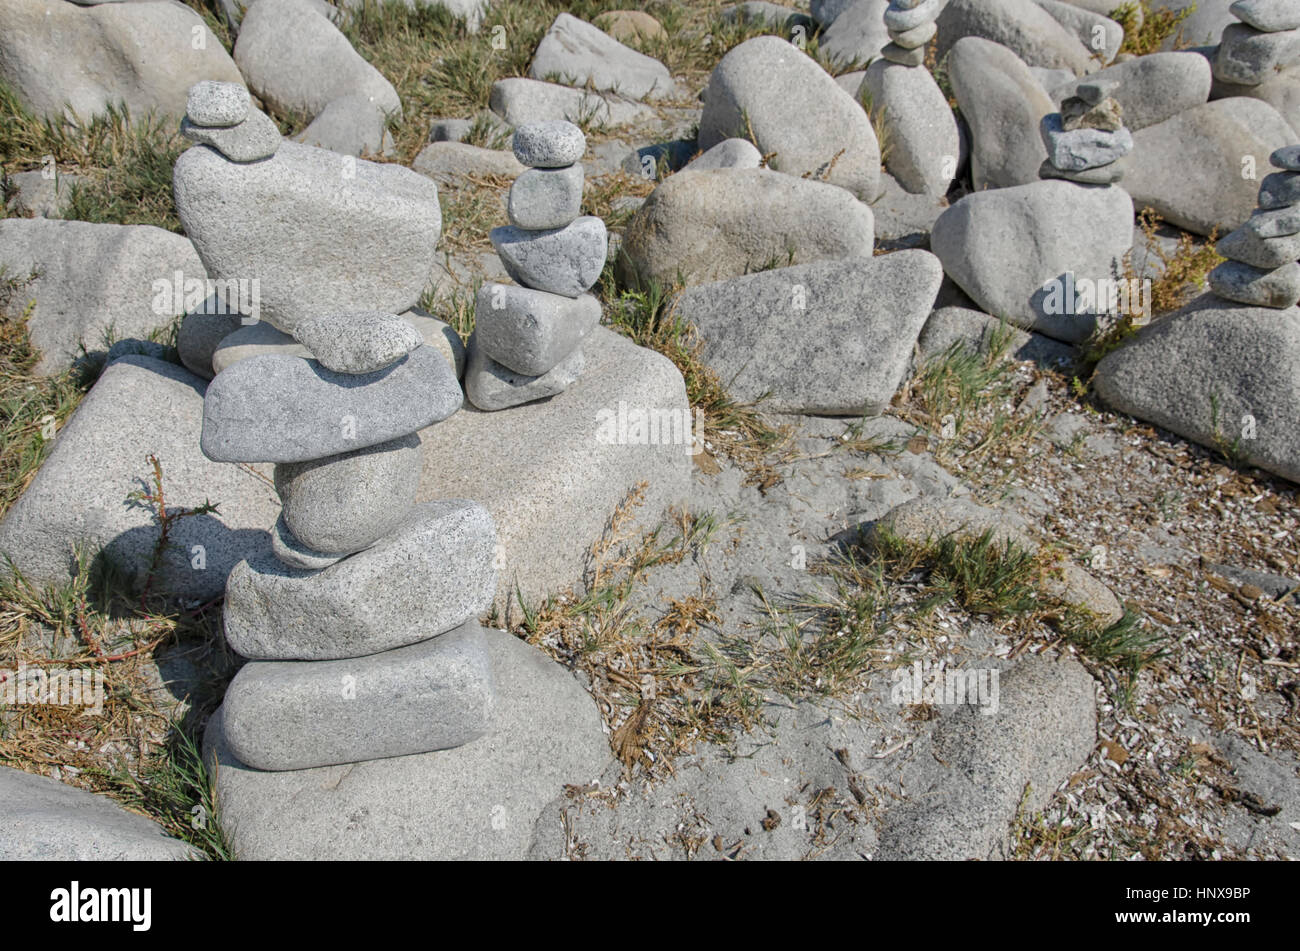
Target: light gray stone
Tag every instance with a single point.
(893, 53)
(707, 226)
(469, 12)
(1258, 287)
(1003, 104)
(1019, 252)
(252, 140)
(274, 408)
(431, 574)
(490, 386)
(770, 14)
(42, 819)
(139, 406)
(1078, 150)
(769, 91)
(212, 103)
(979, 331)
(565, 261)
(914, 38)
(318, 232)
(729, 153)
(904, 220)
(908, 15)
(317, 67)
(858, 34)
(294, 553)
(529, 331)
(350, 125)
(1189, 168)
(545, 198)
(144, 55)
(579, 54)
(1152, 88)
(1279, 190)
(341, 504)
(518, 100)
(1108, 174)
(1271, 16)
(554, 143)
(459, 163)
(41, 194)
(95, 281)
(1203, 25)
(1249, 248)
(1248, 56)
(201, 332)
(1100, 35)
(825, 11)
(770, 333)
(1027, 30)
(357, 343)
(925, 146)
(478, 801)
(1202, 370)
(435, 695)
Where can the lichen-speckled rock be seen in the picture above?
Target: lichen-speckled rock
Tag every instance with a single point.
(433, 695)
(531, 331)
(344, 503)
(1271, 287)
(564, 260)
(424, 578)
(358, 343)
(319, 232)
(275, 408)
(772, 91)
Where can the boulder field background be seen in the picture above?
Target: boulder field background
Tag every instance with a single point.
(601, 429)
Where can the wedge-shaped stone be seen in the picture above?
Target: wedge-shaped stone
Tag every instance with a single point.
(564, 260)
(529, 331)
(492, 386)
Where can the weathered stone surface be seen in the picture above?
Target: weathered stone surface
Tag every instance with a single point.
(1201, 371)
(294, 553)
(429, 575)
(565, 261)
(857, 35)
(832, 337)
(1279, 190)
(1078, 150)
(1249, 248)
(94, 281)
(518, 100)
(979, 331)
(341, 504)
(1249, 57)
(579, 54)
(769, 90)
(434, 695)
(140, 406)
(1099, 35)
(1152, 88)
(357, 343)
(212, 103)
(1269, 15)
(458, 163)
(530, 331)
(42, 819)
(729, 153)
(554, 143)
(925, 146)
(1025, 253)
(479, 801)
(1258, 287)
(275, 408)
(491, 386)
(1022, 26)
(318, 232)
(711, 225)
(350, 125)
(1203, 25)
(146, 55)
(201, 332)
(41, 193)
(252, 140)
(633, 26)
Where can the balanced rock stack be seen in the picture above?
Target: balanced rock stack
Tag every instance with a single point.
(1266, 41)
(527, 340)
(910, 24)
(1261, 268)
(220, 115)
(1087, 138)
(359, 622)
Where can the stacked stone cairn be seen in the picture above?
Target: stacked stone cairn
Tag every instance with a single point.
(911, 26)
(220, 115)
(1087, 138)
(1265, 42)
(527, 340)
(1261, 269)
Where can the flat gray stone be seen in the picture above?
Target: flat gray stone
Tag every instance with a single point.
(274, 408)
(459, 163)
(1018, 251)
(831, 338)
(578, 54)
(318, 232)
(900, 56)
(357, 343)
(1023, 27)
(42, 819)
(545, 198)
(490, 386)
(1108, 174)
(139, 406)
(95, 280)
(1246, 246)
(564, 260)
(769, 90)
(1249, 57)
(729, 153)
(1078, 150)
(434, 695)
(1271, 16)
(350, 125)
(1279, 190)
(1276, 223)
(342, 504)
(520, 100)
(212, 103)
(711, 225)
(1258, 287)
(252, 140)
(429, 575)
(1215, 372)
(41, 193)
(528, 331)
(294, 553)
(478, 801)
(552, 143)
(1152, 88)
(925, 146)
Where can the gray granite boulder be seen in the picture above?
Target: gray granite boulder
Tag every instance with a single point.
(857, 35)
(578, 54)
(1271, 16)
(251, 140)
(924, 143)
(519, 100)
(1249, 57)
(350, 125)
(201, 332)
(1022, 26)
(459, 163)
(1258, 287)
(729, 153)
(211, 103)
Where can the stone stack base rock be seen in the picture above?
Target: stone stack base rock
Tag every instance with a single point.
(1261, 269)
(527, 341)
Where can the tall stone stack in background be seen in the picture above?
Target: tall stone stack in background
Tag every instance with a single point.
(1261, 268)
(527, 340)
(1266, 41)
(1087, 138)
(910, 24)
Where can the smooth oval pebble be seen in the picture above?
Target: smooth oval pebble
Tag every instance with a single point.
(554, 143)
(1287, 158)
(218, 104)
(252, 140)
(357, 343)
